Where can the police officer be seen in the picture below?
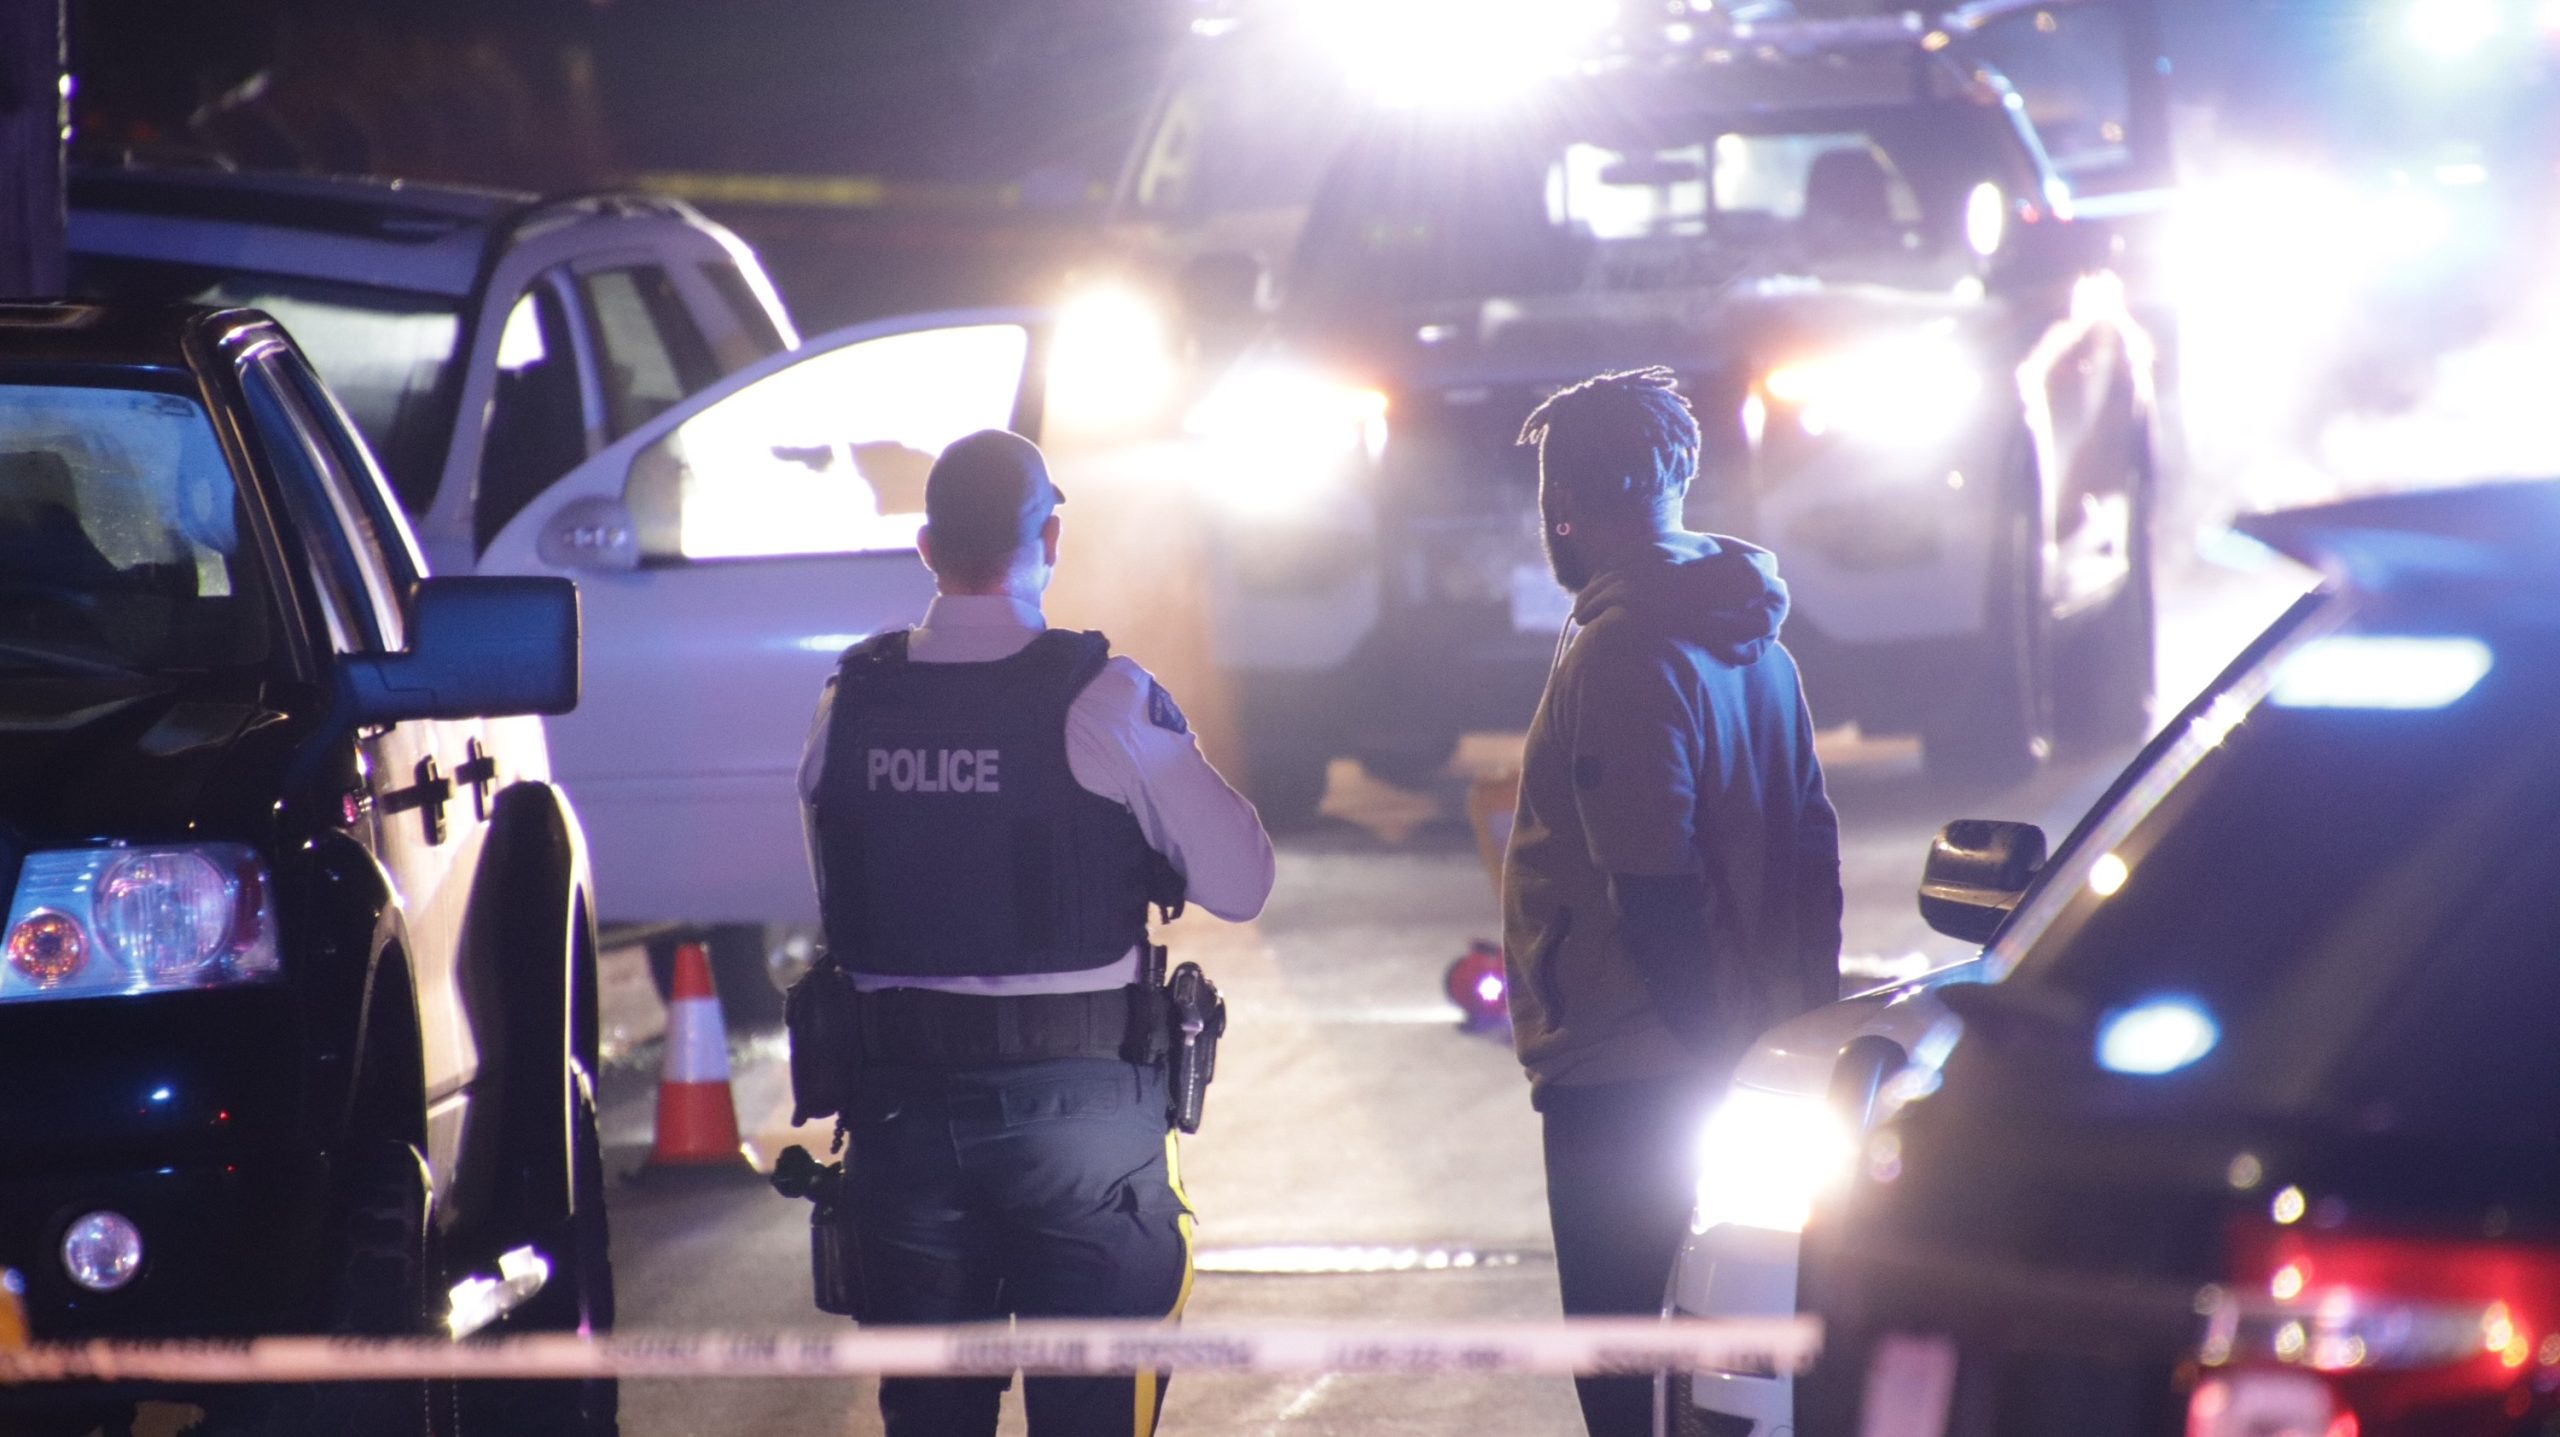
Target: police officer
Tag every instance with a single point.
(992, 803)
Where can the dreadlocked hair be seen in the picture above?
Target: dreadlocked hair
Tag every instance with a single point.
(1627, 434)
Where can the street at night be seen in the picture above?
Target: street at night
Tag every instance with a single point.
(1832, 717)
(1366, 1157)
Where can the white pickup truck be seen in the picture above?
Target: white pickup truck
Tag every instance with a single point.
(608, 388)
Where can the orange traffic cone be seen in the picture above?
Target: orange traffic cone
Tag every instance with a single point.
(697, 1118)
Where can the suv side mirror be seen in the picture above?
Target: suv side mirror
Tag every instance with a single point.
(1978, 869)
(479, 647)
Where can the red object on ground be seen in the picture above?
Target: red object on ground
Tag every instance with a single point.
(697, 1116)
(1479, 986)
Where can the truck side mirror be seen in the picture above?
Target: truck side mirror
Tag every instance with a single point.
(1977, 871)
(479, 647)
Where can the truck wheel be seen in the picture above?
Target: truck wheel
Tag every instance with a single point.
(376, 1266)
(1997, 726)
(2103, 671)
(1413, 764)
(1286, 785)
(578, 1298)
(748, 997)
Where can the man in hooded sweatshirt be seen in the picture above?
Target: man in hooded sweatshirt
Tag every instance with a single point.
(1673, 882)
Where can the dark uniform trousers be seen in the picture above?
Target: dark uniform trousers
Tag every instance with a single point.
(1034, 1189)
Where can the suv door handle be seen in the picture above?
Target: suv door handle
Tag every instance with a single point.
(595, 534)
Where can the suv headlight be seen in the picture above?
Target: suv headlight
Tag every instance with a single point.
(1913, 390)
(86, 922)
(1280, 441)
(1764, 1158)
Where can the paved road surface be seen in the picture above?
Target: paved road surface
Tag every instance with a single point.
(1353, 1124)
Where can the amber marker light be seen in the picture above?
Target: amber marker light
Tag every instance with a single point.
(48, 946)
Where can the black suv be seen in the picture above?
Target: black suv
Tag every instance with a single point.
(296, 996)
(2257, 1131)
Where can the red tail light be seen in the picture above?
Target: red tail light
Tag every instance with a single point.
(2325, 1334)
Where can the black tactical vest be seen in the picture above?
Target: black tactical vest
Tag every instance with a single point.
(954, 839)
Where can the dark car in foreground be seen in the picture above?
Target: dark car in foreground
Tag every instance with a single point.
(296, 994)
(2259, 1131)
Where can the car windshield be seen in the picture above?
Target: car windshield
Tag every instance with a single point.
(1420, 210)
(123, 540)
(388, 354)
(2347, 860)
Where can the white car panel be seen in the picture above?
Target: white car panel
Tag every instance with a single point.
(701, 675)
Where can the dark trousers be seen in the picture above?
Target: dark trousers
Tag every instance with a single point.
(1621, 1180)
(1041, 1189)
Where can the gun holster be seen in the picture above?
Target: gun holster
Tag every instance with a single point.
(1198, 1021)
(821, 1014)
(835, 1263)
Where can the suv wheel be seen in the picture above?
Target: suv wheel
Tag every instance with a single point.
(739, 970)
(1997, 726)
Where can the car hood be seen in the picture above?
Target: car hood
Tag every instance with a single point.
(160, 757)
(1565, 337)
(1802, 1054)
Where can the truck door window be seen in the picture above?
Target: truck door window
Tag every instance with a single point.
(537, 422)
(652, 355)
(357, 598)
(828, 455)
(755, 335)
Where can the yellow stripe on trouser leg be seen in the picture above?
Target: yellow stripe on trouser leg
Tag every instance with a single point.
(13, 1311)
(1150, 1384)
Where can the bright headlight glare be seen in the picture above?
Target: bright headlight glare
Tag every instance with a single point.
(1764, 1159)
(1449, 53)
(1111, 364)
(88, 922)
(1986, 218)
(1280, 437)
(1904, 391)
(2454, 29)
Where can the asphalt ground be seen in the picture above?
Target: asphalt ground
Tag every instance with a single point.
(1365, 1157)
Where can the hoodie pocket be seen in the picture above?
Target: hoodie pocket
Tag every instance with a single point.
(1542, 967)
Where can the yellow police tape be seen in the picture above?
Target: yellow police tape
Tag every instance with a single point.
(1579, 1345)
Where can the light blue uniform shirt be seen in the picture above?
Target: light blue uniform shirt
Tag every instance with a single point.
(1115, 748)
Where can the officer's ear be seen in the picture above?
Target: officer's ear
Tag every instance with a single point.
(924, 544)
(1048, 541)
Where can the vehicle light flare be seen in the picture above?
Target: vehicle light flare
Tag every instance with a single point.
(1765, 1158)
(1111, 365)
(1450, 53)
(48, 947)
(1910, 390)
(2414, 1334)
